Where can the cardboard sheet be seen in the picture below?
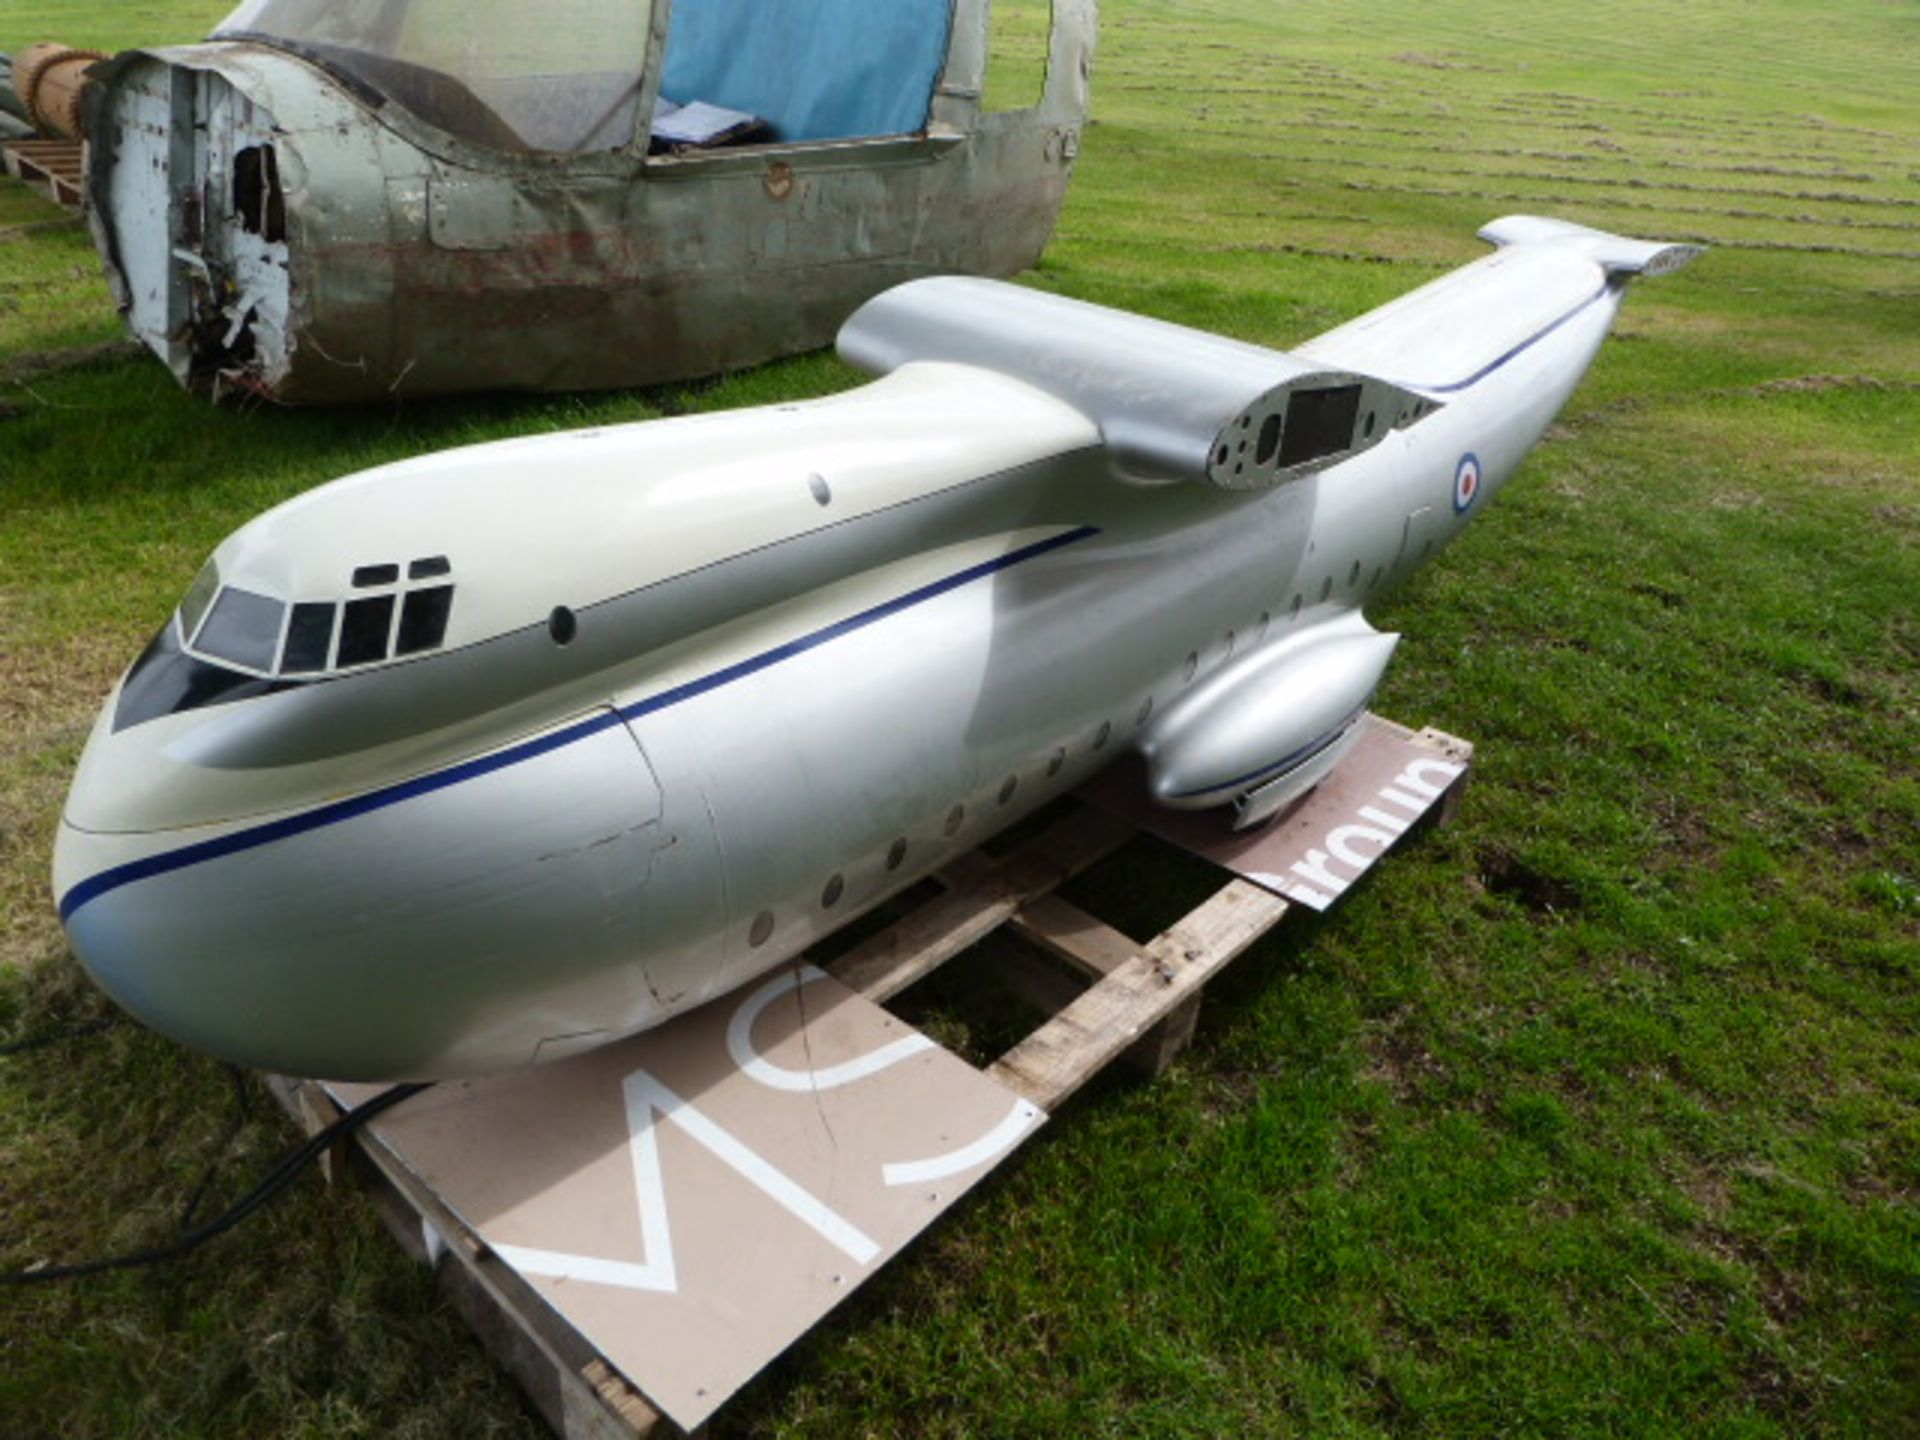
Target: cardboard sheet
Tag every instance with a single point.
(1313, 853)
(695, 1198)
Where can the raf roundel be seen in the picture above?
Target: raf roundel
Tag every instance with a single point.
(1466, 482)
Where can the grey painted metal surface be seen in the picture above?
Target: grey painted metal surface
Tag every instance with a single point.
(1171, 403)
(273, 223)
(498, 754)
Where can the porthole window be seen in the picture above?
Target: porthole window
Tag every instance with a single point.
(829, 897)
(1326, 587)
(762, 929)
(1102, 735)
(1059, 759)
(1007, 787)
(562, 625)
(1293, 607)
(955, 817)
(1146, 709)
(897, 853)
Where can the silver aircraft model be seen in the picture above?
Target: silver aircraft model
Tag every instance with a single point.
(487, 757)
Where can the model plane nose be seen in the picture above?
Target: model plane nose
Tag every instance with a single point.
(285, 942)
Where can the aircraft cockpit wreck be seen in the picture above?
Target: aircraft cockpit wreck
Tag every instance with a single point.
(331, 202)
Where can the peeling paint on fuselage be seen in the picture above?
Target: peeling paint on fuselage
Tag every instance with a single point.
(270, 229)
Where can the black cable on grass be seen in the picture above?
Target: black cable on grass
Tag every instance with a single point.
(276, 1181)
(242, 1113)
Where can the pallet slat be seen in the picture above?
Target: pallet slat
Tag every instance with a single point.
(56, 167)
(983, 899)
(576, 1392)
(1066, 1052)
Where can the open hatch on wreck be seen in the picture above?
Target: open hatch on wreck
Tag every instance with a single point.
(335, 201)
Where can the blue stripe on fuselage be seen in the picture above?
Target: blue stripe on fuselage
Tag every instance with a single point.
(1455, 386)
(1286, 762)
(340, 811)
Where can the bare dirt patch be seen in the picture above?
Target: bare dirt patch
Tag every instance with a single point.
(36, 363)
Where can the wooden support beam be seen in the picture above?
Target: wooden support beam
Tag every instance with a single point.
(55, 167)
(1063, 1054)
(1064, 930)
(579, 1395)
(981, 901)
(1460, 752)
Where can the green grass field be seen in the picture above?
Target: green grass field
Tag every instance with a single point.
(1595, 1113)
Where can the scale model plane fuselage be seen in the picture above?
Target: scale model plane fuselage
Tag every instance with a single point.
(480, 759)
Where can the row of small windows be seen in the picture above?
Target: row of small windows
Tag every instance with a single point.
(763, 924)
(761, 930)
(267, 635)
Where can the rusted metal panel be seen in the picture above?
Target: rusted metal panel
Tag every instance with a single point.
(410, 261)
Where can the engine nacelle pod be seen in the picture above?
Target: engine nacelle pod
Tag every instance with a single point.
(1268, 727)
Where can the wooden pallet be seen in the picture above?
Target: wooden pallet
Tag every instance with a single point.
(1105, 995)
(56, 168)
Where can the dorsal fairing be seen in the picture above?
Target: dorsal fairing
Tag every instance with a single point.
(1172, 404)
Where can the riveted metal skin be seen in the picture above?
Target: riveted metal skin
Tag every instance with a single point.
(396, 862)
(273, 227)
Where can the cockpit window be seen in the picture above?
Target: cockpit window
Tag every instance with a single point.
(309, 639)
(199, 596)
(423, 619)
(243, 628)
(502, 73)
(364, 631)
(312, 637)
(223, 642)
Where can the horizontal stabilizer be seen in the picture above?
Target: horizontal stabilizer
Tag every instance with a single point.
(1617, 254)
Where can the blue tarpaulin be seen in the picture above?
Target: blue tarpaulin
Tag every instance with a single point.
(812, 69)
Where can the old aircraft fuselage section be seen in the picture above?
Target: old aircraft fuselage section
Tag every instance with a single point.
(486, 757)
(332, 204)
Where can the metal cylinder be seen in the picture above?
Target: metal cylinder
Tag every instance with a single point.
(49, 79)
